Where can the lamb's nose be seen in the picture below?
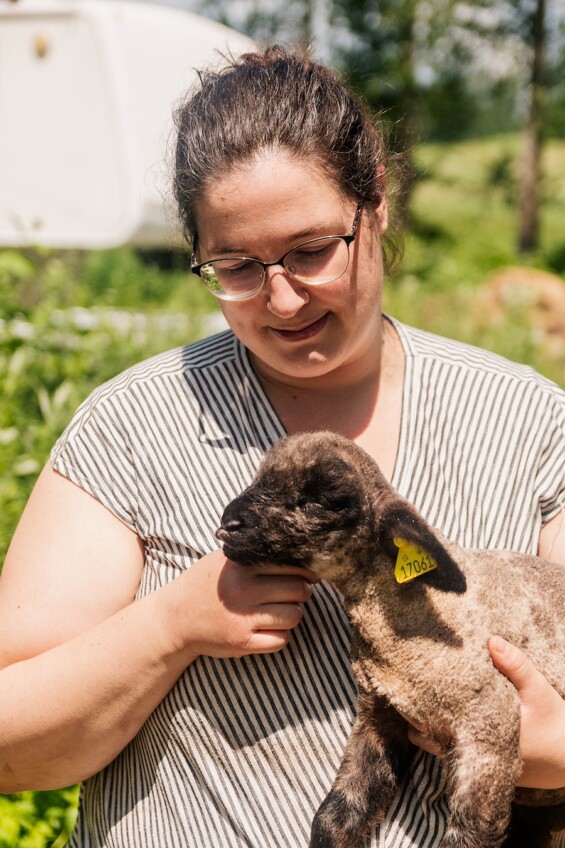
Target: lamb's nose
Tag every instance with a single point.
(222, 532)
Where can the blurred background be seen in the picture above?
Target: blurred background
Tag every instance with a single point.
(93, 272)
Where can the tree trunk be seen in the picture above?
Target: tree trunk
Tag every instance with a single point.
(406, 130)
(530, 175)
(307, 27)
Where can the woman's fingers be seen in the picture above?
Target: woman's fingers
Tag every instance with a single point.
(233, 610)
(246, 588)
(277, 617)
(272, 627)
(512, 662)
(417, 734)
(278, 571)
(542, 729)
(422, 740)
(283, 589)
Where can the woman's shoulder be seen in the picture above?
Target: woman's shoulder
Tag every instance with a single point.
(139, 414)
(449, 355)
(172, 365)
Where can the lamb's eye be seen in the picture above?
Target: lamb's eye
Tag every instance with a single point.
(324, 504)
(306, 503)
(312, 505)
(339, 503)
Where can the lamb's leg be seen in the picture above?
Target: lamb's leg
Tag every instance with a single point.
(367, 779)
(482, 768)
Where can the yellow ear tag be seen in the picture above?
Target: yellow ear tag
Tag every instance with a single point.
(411, 562)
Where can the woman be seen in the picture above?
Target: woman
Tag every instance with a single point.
(214, 709)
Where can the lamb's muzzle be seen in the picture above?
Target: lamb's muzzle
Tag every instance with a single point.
(419, 646)
(228, 526)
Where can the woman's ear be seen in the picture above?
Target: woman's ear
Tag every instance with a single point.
(381, 210)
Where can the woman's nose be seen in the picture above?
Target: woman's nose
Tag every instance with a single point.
(285, 296)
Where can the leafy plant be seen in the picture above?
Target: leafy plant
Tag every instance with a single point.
(37, 819)
(52, 353)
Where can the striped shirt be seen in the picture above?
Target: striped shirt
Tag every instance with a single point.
(241, 752)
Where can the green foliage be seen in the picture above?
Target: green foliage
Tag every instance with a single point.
(37, 819)
(450, 110)
(52, 354)
(455, 68)
(69, 322)
(464, 228)
(469, 202)
(122, 278)
(554, 108)
(462, 313)
(267, 22)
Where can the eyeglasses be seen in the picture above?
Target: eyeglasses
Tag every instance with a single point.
(315, 263)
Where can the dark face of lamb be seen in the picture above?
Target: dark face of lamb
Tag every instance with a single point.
(297, 512)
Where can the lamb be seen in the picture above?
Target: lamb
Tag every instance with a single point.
(419, 645)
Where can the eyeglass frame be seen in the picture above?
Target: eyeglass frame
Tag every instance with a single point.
(196, 267)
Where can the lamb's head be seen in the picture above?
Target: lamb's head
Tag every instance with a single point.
(307, 506)
(319, 501)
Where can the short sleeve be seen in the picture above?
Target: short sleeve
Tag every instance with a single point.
(94, 452)
(551, 469)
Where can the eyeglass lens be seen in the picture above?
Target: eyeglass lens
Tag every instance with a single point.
(316, 262)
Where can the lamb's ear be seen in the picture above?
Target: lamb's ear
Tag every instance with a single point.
(402, 521)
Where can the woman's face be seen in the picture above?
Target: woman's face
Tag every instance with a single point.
(327, 334)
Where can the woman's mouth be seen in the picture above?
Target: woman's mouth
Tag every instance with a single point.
(302, 333)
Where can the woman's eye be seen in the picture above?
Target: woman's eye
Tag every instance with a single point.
(312, 253)
(237, 268)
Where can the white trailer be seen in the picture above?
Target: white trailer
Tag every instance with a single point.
(87, 90)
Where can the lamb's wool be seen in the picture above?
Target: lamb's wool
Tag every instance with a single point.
(420, 646)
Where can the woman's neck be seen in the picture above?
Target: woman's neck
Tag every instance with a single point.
(362, 403)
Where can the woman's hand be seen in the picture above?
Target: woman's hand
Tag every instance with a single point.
(542, 733)
(229, 610)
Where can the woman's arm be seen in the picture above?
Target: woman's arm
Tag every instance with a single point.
(552, 539)
(82, 665)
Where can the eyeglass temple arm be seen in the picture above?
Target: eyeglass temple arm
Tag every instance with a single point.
(357, 217)
(193, 256)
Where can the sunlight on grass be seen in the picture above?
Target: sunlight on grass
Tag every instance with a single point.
(465, 223)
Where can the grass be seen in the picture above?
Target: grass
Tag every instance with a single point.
(464, 228)
(465, 211)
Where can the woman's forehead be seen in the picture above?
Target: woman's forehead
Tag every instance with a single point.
(279, 196)
(275, 172)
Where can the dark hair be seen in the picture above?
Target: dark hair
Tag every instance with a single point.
(276, 100)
